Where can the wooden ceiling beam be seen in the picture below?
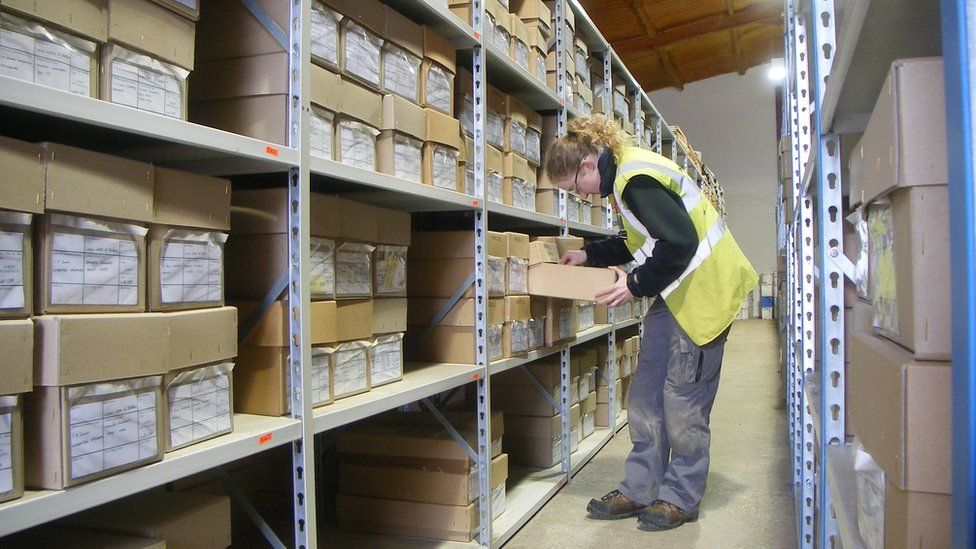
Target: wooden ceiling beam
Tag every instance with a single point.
(760, 13)
(640, 8)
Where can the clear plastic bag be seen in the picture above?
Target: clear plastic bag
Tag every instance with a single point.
(445, 163)
(401, 72)
(407, 158)
(325, 33)
(199, 405)
(362, 53)
(357, 144)
(391, 270)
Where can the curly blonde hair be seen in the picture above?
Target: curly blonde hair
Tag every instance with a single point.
(585, 135)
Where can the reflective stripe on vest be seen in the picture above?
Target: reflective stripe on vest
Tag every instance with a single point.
(712, 238)
(690, 193)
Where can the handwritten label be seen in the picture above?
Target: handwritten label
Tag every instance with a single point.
(6, 453)
(407, 158)
(362, 49)
(43, 62)
(198, 409)
(357, 145)
(191, 271)
(146, 89)
(350, 369)
(401, 72)
(325, 33)
(445, 162)
(94, 270)
(438, 88)
(386, 361)
(111, 433)
(11, 270)
(322, 267)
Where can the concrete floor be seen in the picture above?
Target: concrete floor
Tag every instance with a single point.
(748, 502)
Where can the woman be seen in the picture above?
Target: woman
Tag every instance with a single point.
(689, 260)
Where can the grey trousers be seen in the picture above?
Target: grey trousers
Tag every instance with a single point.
(670, 401)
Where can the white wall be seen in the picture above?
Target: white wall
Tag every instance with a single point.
(731, 119)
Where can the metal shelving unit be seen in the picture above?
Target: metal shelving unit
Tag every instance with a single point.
(59, 116)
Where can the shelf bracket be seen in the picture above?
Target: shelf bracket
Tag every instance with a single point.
(843, 263)
(444, 310)
(262, 308)
(267, 22)
(252, 513)
(429, 406)
(538, 385)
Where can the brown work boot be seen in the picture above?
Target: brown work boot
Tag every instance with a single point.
(613, 506)
(661, 515)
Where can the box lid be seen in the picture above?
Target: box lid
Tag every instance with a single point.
(543, 252)
(404, 116)
(186, 199)
(439, 49)
(369, 13)
(17, 359)
(88, 18)
(517, 166)
(153, 29)
(569, 282)
(443, 129)
(201, 336)
(265, 74)
(21, 176)
(361, 103)
(265, 211)
(519, 30)
(326, 88)
(518, 245)
(402, 31)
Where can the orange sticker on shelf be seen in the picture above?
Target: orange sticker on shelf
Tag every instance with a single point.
(475, 376)
(474, 203)
(271, 150)
(264, 439)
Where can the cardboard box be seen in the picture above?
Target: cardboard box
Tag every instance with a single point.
(904, 143)
(13, 431)
(385, 360)
(403, 32)
(185, 199)
(53, 536)
(568, 282)
(395, 228)
(536, 441)
(547, 202)
(524, 400)
(17, 264)
(153, 29)
(360, 48)
(517, 308)
(400, 155)
(60, 454)
(17, 359)
(452, 340)
(85, 182)
(916, 519)
(404, 117)
(272, 331)
(443, 129)
(201, 337)
(361, 104)
(357, 221)
(198, 404)
(187, 8)
(90, 348)
(543, 252)
(561, 321)
(120, 66)
(389, 315)
(892, 412)
(262, 380)
(223, 23)
(88, 18)
(186, 268)
(23, 173)
(442, 277)
(564, 243)
(534, 13)
(519, 45)
(351, 369)
(437, 73)
(909, 249)
(440, 167)
(256, 262)
(423, 310)
(414, 438)
(354, 319)
(443, 245)
(181, 519)
(266, 211)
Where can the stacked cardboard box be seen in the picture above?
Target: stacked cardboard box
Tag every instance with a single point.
(390, 303)
(587, 361)
(569, 55)
(533, 426)
(899, 380)
(520, 176)
(516, 333)
(404, 474)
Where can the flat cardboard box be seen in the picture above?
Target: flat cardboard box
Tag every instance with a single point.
(404, 117)
(85, 182)
(354, 319)
(546, 371)
(389, 315)
(266, 211)
(569, 282)
(22, 172)
(524, 400)
(442, 277)
(181, 519)
(403, 32)
(546, 201)
(899, 410)
(185, 199)
(88, 348)
(361, 103)
(439, 50)
(49, 449)
(443, 129)
(223, 22)
(442, 245)
(357, 221)
(543, 252)
(534, 12)
(262, 381)
(517, 308)
(17, 359)
(904, 143)
(153, 29)
(12, 406)
(395, 228)
(272, 331)
(423, 310)
(916, 519)
(55, 536)
(88, 18)
(914, 310)
(201, 337)
(210, 290)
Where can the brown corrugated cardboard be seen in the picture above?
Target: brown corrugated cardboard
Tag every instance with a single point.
(564, 243)
(184, 278)
(404, 117)
(603, 393)
(914, 520)
(494, 159)
(326, 88)
(407, 518)
(261, 117)
(54, 536)
(496, 244)
(21, 176)
(517, 166)
(400, 156)
(524, 400)
(443, 129)
(88, 348)
(17, 359)
(152, 29)
(463, 420)
(450, 344)
(201, 337)
(911, 285)
(224, 22)
(562, 320)
(441, 157)
(354, 319)
(186, 199)
(546, 201)
(534, 12)
(422, 311)
(266, 211)
(12, 406)
(403, 32)
(59, 455)
(88, 18)
(262, 381)
(86, 182)
(569, 282)
(442, 244)
(187, 8)
(389, 315)
(357, 221)
(517, 308)
(395, 228)
(181, 519)
(892, 412)
(543, 252)
(254, 263)
(904, 143)
(411, 437)
(546, 371)
(272, 331)
(588, 405)
(438, 277)
(439, 50)
(361, 103)
(369, 13)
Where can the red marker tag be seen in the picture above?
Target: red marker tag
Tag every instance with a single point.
(477, 36)
(264, 439)
(474, 203)
(271, 150)
(475, 376)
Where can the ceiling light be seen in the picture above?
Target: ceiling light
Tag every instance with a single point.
(777, 71)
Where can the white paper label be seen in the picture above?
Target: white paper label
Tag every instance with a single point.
(518, 275)
(520, 337)
(391, 270)
(495, 182)
(537, 332)
(530, 191)
(586, 315)
(146, 89)
(320, 135)
(350, 370)
(407, 158)
(325, 33)
(111, 432)
(322, 267)
(357, 143)
(11, 270)
(589, 424)
(494, 341)
(321, 374)
(496, 275)
(466, 116)
(519, 198)
(191, 271)
(386, 361)
(94, 270)
(445, 168)
(517, 137)
(362, 54)
(501, 38)
(43, 62)
(6, 453)
(198, 409)
(439, 88)
(574, 208)
(495, 129)
(566, 323)
(533, 145)
(522, 54)
(401, 73)
(354, 275)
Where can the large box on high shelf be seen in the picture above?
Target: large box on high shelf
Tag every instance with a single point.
(910, 286)
(21, 197)
(899, 410)
(904, 144)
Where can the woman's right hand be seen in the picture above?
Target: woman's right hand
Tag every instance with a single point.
(573, 257)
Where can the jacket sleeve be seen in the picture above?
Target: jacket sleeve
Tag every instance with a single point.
(663, 215)
(607, 252)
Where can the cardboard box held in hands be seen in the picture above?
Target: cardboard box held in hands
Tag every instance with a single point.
(569, 282)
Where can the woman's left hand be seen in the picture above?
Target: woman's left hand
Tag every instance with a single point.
(618, 294)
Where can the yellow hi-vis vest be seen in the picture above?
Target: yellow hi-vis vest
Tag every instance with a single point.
(708, 294)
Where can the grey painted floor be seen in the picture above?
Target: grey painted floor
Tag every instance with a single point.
(748, 503)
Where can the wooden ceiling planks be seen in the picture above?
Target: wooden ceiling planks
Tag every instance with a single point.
(668, 43)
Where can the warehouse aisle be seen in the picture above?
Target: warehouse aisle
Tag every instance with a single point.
(748, 503)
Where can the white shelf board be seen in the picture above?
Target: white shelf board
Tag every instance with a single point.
(590, 334)
(589, 448)
(588, 230)
(525, 216)
(435, 14)
(162, 140)
(626, 323)
(621, 420)
(527, 491)
(573, 112)
(871, 35)
(511, 78)
(843, 493)
(386, 190)
(420, 380)
(252, 434)
(331, 536)
(499, 366)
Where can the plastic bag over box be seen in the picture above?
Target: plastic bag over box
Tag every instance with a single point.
(321, 131)
(438, 88)
(357, 144)
(199, 405)
(401, 72)
(391, 271)
(354, 270)
(884, 285)
(386, 359)
(495, 183)
(145, 83)
(495, 275)
(407, 157)
(325, 34)
(14, 233)
(445, 163)
(350, 366)
(495, 341)
(45, 56)
(518, 275)
(322, 268)
(361, 55)
(191, 268)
